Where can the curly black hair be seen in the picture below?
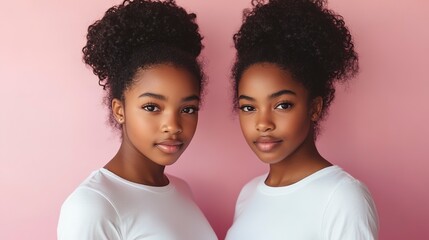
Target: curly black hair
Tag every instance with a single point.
(300, 36)
(138, 34)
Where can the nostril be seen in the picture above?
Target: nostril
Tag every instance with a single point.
(265, 126)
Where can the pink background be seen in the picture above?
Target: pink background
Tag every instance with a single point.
(53, 130)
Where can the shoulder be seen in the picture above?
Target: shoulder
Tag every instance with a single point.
(336, 184)
(88, 212)
(350, 212)
(350, 192)
(253, 183)
(87, 201)
(251, 186)
(180, 185)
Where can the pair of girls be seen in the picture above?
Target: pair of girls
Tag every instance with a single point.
(289, 55)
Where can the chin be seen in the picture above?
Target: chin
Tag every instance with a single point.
(167, 162)
(266, 158)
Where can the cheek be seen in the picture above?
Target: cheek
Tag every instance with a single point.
(139, 130)
(139, 123)
(246, 126)
(190, 124)
(299, 125)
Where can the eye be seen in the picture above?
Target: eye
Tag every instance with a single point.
(247, 108)
(190, 110)
(151, 107)
(284, 105)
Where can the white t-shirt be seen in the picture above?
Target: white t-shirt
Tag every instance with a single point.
(327, 205)
(106, 206)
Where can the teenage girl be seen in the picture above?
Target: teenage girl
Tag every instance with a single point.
(290, 53)
(145, 55)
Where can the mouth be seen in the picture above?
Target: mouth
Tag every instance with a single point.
(169, 146)
(266, 143)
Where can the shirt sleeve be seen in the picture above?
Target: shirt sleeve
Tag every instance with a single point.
(350, 213)
(87, 214)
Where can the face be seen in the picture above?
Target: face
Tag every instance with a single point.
(274, 112)
(160, 112)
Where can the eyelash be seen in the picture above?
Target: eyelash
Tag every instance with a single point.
(193, 108)
(156, 108)
(289, 105)
(243, 108)
(149, 105)
(249, 108)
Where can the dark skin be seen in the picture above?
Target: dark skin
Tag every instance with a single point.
(277, 118)
(304, 162)
(159, 115)
(132, 165)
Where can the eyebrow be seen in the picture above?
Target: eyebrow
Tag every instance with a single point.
(191, 98)
(271, 96)
(164, 98)
(282, 92)
(244, 97)
(153, 95)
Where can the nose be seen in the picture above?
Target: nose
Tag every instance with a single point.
(171, 124)
(264, 122)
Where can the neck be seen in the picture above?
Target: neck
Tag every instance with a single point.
(133, 166)
(305, 161)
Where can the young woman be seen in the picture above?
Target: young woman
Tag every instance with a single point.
(145, 55)
(290, 53)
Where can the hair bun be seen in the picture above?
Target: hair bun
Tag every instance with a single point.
(136, 25)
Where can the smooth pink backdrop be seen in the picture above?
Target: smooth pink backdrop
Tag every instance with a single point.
(53, 130)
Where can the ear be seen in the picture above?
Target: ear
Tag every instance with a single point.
(316, 108)
(118, 110)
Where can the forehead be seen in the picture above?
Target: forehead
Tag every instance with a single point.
(164, 79)
(267, 78)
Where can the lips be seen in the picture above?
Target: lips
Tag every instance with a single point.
(267, 143)
(169, 146)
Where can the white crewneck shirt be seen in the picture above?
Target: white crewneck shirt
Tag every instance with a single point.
(327, 205)
(106, 206)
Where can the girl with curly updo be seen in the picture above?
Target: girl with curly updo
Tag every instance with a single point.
(290, 54)
(145, 55)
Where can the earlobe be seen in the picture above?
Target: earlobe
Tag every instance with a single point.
(118, 110)
(316, 109)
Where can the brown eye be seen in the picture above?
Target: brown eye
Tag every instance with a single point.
(247, 108)
(190, 110)
(151, 108)
(284, 106)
